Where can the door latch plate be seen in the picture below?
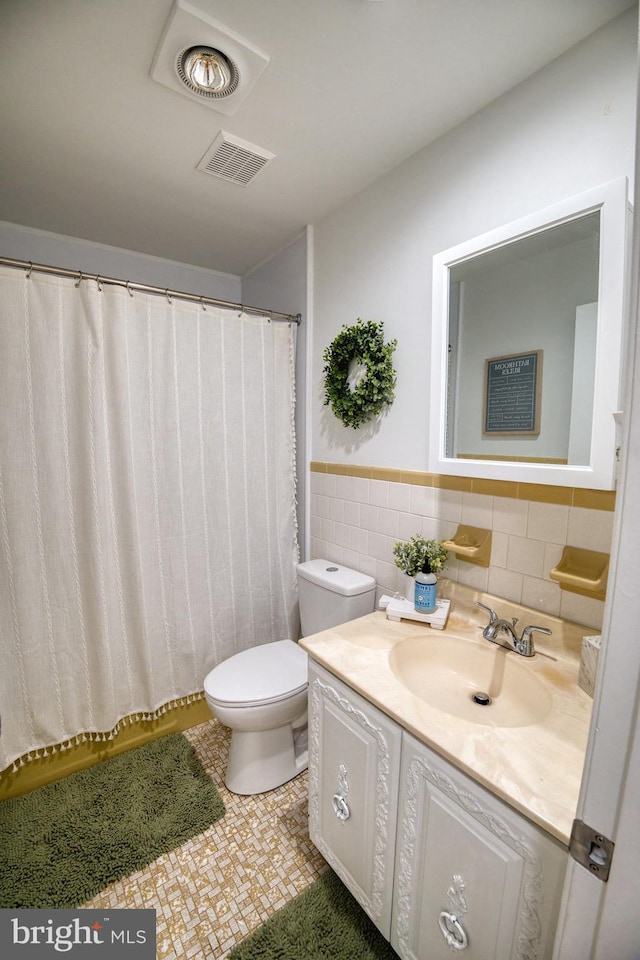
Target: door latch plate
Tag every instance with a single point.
(591, 849)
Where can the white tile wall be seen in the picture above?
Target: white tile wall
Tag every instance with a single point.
(356, 522)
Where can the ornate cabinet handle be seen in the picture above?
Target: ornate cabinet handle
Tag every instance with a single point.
(340, 807)
(452, 931)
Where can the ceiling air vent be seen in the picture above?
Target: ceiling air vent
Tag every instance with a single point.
(234, 159)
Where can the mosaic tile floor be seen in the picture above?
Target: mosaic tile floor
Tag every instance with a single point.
(216, 888)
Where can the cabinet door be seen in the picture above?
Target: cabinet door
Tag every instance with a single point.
(354, 766)
(472, 875)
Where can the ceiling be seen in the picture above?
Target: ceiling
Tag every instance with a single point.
(93, 147)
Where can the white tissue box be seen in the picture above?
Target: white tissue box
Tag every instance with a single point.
(589, 663)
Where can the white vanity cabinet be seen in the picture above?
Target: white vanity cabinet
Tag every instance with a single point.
(471, 874)
(354, 772)
(439, 863)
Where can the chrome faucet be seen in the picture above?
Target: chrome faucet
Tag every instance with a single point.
(497, 630)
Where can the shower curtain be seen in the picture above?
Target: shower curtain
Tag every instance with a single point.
(147, 502)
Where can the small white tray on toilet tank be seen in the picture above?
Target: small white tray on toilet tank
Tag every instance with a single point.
(398, 608)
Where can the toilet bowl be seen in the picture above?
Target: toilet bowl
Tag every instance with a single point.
(261, 693)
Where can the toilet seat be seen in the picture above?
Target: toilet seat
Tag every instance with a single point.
(260, 675)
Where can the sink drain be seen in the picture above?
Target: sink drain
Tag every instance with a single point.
(482, 699)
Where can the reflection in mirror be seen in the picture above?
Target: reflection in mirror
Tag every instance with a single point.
(527, 339)
(522, 336)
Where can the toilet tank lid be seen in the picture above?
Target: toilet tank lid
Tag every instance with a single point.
(333, 576)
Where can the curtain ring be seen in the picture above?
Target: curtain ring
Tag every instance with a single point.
(28, 276)
(128, 288)
(166, 293)
(202, 304)
(80, 279)
(99, 282)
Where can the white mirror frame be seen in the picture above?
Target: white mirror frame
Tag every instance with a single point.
(611, 200)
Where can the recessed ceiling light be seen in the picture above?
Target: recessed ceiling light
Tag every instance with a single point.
(203, 59)
(207, 72)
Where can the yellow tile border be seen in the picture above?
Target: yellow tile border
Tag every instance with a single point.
(594, 499)
(538, 492)
(542, 493)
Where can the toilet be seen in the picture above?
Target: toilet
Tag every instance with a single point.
(261, 693)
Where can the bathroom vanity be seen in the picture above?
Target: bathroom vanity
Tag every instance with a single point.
(449, 821)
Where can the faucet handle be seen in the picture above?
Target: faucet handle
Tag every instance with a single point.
(492, 614)
(529, 630)
(524, 645)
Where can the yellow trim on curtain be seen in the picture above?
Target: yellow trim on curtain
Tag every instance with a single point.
(53, 763)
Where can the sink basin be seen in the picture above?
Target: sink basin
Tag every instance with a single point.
(472, 679)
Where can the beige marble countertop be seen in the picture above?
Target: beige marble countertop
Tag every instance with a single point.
(537, 769)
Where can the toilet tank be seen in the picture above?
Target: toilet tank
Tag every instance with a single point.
(330, 594)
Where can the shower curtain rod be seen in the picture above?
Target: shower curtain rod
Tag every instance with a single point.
(79, 276)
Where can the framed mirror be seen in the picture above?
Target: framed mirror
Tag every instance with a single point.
(527, 339)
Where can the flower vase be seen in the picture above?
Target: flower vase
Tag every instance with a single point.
(409, 588)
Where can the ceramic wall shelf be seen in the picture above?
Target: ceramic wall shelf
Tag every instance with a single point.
(471, 544)
(582, 571)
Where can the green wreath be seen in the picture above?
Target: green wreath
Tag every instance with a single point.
(364, 343)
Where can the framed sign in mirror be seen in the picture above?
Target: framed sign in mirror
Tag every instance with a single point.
(512, 395)
(552, 284)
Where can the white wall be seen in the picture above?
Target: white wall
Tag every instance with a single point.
(39, 246)
(280, 283)
(565, 130)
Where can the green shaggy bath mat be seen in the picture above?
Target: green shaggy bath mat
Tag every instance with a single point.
(66, 841)
(324, 921)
